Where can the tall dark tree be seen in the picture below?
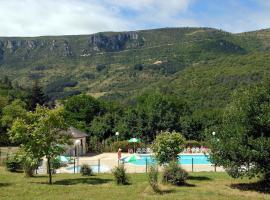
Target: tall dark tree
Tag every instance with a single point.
(37, 97)
(7, 82)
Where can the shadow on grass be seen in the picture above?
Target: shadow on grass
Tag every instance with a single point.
(187, 185)
(199, 178)
(260, 186)
(90, 181)
(182, 185)
(16, 172)
(40, 176)
(164, 191)
(4, 184)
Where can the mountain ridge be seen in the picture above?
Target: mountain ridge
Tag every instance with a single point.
(118, 65)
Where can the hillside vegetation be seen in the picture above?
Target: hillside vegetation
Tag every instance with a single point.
(201, 65)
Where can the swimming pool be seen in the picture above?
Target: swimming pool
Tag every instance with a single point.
(102, 169)
(182, 159)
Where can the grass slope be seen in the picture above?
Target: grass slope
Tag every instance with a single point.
(201, 186)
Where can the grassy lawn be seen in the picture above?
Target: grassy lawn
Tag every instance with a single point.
(201, 186)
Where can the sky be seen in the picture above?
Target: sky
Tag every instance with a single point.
(74, 17)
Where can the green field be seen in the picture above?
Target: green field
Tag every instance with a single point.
(203, 186)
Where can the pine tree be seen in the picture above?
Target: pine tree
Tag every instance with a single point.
(7, 82)
(37, 96)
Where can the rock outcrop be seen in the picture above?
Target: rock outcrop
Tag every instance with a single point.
(67, 50)
(24, 48)
(118, 42)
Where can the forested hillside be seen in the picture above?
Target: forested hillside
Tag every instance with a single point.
(175, 78)
(118, 65)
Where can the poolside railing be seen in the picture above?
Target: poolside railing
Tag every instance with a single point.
(105, 165)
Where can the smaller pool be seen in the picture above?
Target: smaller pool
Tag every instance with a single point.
(102, 169)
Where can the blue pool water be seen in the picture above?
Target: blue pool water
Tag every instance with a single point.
(102, 169)
(182, 159)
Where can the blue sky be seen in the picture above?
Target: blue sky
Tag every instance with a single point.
(65, 17)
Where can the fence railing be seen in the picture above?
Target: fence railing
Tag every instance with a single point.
(5, 152)
(105, 165)
(142, 166)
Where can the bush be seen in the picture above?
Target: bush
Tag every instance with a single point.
(167, 146)
(174, 174)
(56, 163)
(86, 170)
(29, 166)
(29, 163)
(94, 145)
(101, 67)
(120, 175)
(21, 161)
(192, 143)
(124, 145)
(153, 178)
(13, 163)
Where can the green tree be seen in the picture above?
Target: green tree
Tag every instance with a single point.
(3, 103)
(167, 146)
(127, 124)
(103, 126)
(41, 133)
(17, 109)
(157, 112)
(37, 96)
(80, 110)
(7, 82)
(241, 143)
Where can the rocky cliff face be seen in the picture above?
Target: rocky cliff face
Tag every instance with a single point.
(68, 46)
(121, 41)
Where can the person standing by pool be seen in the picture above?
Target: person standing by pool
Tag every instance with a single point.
(119, 154)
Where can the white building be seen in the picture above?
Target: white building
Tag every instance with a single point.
(78, 142)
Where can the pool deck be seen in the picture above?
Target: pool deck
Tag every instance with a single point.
(110, 160)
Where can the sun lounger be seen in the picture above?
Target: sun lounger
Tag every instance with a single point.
(139, 151)
(144, 150)
(148, 150)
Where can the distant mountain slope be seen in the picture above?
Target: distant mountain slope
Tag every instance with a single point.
(117, 65)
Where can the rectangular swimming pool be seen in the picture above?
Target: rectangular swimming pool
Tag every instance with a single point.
(182, 159)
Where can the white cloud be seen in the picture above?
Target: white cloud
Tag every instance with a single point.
(58, 17)
(70, 17)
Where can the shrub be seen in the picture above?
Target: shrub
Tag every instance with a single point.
(120, 175)
(94, 145)
(192, 143)
(153, 178)
(101, 67)
(167, 146)
(56, 163)
(124, 145)
(29, 163)
(29, 166)
(138, 67)
(174, 174)
(21, 161)
(86, 170)
(13, 163)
